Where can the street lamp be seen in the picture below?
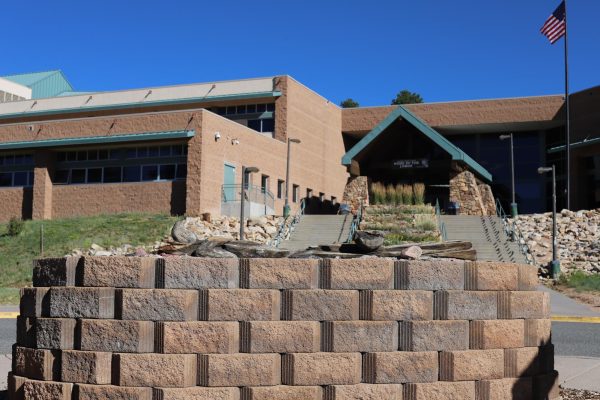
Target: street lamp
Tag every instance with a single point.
(555, 262)
(245, 171)
(286, 207)
(513, 205)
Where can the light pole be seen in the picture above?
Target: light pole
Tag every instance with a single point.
(245, 170)
(513, 205)
(286, 207)
(555, 262)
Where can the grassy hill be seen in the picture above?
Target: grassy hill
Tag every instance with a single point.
(63, 235)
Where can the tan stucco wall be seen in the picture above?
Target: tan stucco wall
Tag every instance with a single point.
(479, 112)
(362, 120)
(87, 200)
(15, 203)
(317, 123)
(303, 115)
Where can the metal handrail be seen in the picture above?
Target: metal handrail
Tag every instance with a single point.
(285, 229)
(514, 233)
(441, 224)
(355, 223)
(255, 194)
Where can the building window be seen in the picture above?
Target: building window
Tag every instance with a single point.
(264, 183)
(280, 188)
(321, 197)
(16, 170)
(309, 194)
(264, 125)
(116, 165)
(295, 193)
(333, 200)
(244, 109)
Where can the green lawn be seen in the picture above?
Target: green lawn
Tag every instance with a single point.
(63, 235)
(581, 282)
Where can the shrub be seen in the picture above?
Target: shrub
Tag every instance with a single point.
(419, 193)
(15, 226)
(407, 194)
(390, 197)
(378, 193)
(582, 282)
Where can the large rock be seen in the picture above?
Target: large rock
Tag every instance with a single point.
(181, 234)
(369, 240)
(209, 248)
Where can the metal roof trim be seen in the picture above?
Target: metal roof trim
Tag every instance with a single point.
(134, 137)
(154, 103)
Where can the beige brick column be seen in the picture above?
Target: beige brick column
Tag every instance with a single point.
(42, 185)
(194, 163)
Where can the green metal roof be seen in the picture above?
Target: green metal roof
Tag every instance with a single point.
(401, 112)
(136, 137)
(583, 143)
(43, 84)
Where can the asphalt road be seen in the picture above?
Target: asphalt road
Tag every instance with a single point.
(8, 333)
(570, 339)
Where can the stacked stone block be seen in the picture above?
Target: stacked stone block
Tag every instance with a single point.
(253, 329)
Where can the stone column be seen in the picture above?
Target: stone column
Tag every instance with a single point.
(42, 185)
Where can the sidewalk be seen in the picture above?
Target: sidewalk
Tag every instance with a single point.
(575, 372)
(581, 373)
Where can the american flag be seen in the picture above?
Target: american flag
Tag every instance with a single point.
(555, 26)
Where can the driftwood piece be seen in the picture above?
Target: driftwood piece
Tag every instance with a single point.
(469, 254)
(247, 249)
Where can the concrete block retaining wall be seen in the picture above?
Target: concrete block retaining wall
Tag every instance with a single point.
(253, 329)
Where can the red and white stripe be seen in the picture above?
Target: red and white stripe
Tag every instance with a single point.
(554, 29)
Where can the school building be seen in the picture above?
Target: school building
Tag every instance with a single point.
(181, 149)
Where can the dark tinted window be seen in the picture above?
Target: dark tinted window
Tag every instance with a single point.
(61, 176)
(5, 179)
(20, 179)
(167, 172)
(254, 124)
(268, 125)
(181, 171)
(251, 108)
(94, 175)
(78, 176)
(112, 174)
(149, 172)
(131, 174)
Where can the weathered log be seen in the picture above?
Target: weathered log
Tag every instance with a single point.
(469, 254)
(247, 249)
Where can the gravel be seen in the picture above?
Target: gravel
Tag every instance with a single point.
(570, 394)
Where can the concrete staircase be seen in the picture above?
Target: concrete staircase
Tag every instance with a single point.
(314, 230)
(486, 234)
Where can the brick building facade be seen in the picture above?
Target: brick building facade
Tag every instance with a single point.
(181, 149)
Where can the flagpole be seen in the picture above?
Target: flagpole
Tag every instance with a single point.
(567, 112)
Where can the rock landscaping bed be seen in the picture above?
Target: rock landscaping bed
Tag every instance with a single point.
(402, 223)
(578, 239)
(570, 394)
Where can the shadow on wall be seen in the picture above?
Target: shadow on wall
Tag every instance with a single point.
(537, 378)
(178, 195)
(26, 207)
(314, 205)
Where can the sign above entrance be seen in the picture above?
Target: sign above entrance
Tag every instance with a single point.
(406, 164)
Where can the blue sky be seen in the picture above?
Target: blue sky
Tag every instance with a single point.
(367, 50)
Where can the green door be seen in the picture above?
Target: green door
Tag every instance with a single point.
(229, 182)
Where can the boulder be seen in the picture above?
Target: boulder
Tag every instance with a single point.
(369, 240)
(181, 234)
(412, 252)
